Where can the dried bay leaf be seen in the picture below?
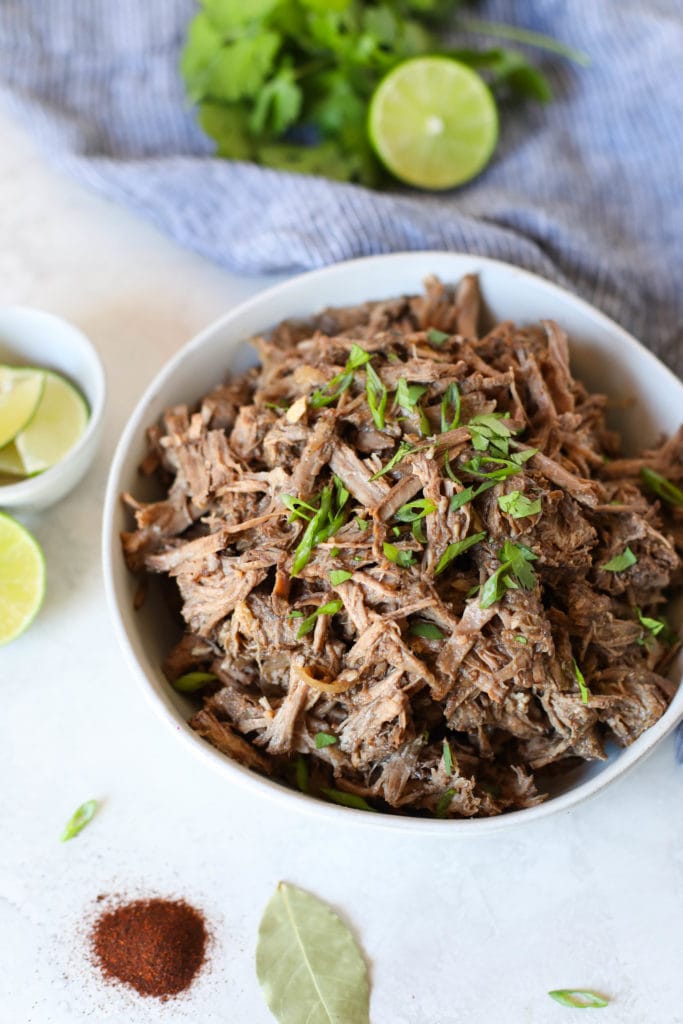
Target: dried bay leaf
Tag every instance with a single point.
(308, 963)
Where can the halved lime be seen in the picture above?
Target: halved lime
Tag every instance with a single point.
(56, 426)
(20, 393)
(10, 461)
(433, 122)
(22, 578)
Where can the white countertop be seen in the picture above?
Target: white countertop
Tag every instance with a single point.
(456, 932)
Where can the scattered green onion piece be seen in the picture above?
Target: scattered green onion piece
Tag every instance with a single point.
(324, 739)
(334, 552)
(308, 625)
(408, 395)
(414, 510)
(444, 803)
(427, 630)
(579, 999)
(447, 757)
(338, 796)
(513, 571)
(301, 772)
(296, 507)
(398, 556)
(620, 562)
(403, 449)
(578, 675)
(295, 614)
(455, 549)
(450, 401)
(377, 396)
(362, 524)
(662, 487)
(79, 819)
(417, 531)
(519, 639)
(190, 682)
(338, 576)
(435, 337)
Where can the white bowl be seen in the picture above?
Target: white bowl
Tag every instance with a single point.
(603, 355)
(30, 337)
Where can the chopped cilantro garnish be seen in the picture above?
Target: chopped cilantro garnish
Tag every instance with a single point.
(450, 408)
(578, 675)
(324, 739)
(362, 524)
(447, 757)
(435, 337)
(519, 639)
(489, 432)
(455, 549)
(518, 506)
(415, 510)
(338, 576)
(662, 487)
(620, 562)
(469, 494)
(513, 572)
(299, 509)
(376, 395)
(308, 625)
(336, 387)
(506, 467)
(403, 449)
(329, 517)
(398, 556)
(408, 395)
(427, 630)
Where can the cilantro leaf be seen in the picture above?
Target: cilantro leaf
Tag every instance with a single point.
(620, 562)
(414, 510)
(324, 739)
(513, 572)
(278, 104)
(518, 506)
(338, 576)
(398, 556)
(437, 338)
(426, 630)
(408, 395)
(240, 68)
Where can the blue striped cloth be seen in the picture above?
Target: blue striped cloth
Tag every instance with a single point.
(585, 191)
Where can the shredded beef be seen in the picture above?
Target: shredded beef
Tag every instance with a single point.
(394, 545)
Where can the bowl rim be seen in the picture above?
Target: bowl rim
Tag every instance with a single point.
(262, 785)
(28, 491)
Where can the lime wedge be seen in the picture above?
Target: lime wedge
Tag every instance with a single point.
(433, 122)
(22, 578)
(57, 424)
(10, 461)
(20, 393)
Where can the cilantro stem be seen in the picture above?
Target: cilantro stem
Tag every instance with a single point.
(479, 26)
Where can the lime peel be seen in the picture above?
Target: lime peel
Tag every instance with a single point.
(22, 578)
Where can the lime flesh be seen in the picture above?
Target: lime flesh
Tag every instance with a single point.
(10, 461)
(433, 122)
(20, 394)
(22, 578)
(57, 424)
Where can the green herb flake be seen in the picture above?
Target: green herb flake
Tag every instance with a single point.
(299, 509)
(435, 337)
(308, 625)
(414, 510)
(518, 506)
(578, 675)
(376, 394)
(338, 796)
(79, 819)
(489, 432)
(450, 408)
(301, 773)
(514, 571)
(455, 549)
(654, 626)
(324, 739)
(620, 562)
(579, 999)
(447, 758)
(427, 630)
(336, 387)
(397, 555)
(519, 639)
(408, 395)
(328, 518)
(295, 614)
(662, 487)
(403, 449)
(334, 552)
(190, 682)
(444, 803)
(417, 531)
(338, 576)
(362, 524)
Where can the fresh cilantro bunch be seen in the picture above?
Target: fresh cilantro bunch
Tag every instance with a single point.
(286, 83)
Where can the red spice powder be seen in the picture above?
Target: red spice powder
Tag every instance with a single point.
(157, 946)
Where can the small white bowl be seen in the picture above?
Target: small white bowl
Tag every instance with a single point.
(30, 337)
(602, 354)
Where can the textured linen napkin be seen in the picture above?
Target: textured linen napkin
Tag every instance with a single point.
(585, 191)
